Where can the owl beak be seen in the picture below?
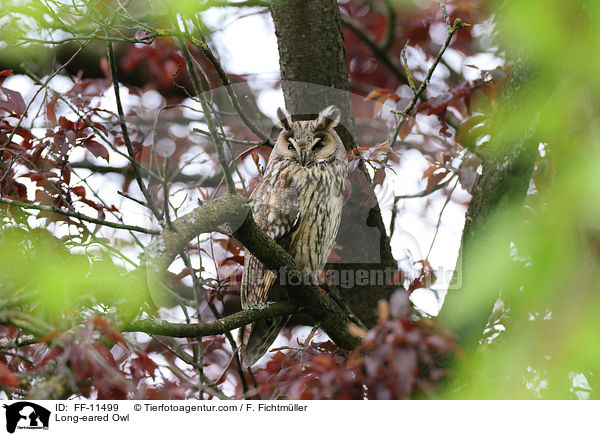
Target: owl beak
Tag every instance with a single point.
(303, 157)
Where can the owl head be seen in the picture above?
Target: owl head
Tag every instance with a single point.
(309, 142)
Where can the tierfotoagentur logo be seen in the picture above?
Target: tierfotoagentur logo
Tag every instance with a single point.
(26, 415)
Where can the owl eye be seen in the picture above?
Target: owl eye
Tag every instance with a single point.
(291, 147)
(318, 145)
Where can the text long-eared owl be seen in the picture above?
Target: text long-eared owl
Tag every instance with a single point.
(298, 203)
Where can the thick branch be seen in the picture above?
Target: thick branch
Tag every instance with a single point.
(233, 211)
(318, 304)
(229, 209)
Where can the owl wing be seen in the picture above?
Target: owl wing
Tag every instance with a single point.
(276, 211)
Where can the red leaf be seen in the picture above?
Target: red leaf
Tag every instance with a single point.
(51, 336)
(7, 378)
(429, 171)
(406, 128)
(233, 259)
(255, 158)
(21, 190)
(142, 366)
(43, 197)
(80, 363)
(379, 176)
(358, 150)
(109, 330)
(138, 150)
(434, 179)
(96, 148)
(98, 321)
(66, 174)
(51, 111)
(12, 102)
(230, 245)
(382, 92)
(334, 256)
(108, 357)
(170, 391)
(66, 124)
(50, 356)
(426, 277)
(91, 203)
(79, 191)
(113, 334)
(6, 73)
(100, 127)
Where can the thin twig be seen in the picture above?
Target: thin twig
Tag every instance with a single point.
(445, 14)
(377, 50)
(458, 24)
(147, 40)
(165, 187)
(197, 348)
(77, 215)
(210, 122)
(196, 179)
(423, 193)
(437, 227)
(388, 39)
(211, 328)
(203, 46)
(210, 386)
(222, 4)
(128, 144)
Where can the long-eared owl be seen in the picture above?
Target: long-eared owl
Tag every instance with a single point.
(298, 203)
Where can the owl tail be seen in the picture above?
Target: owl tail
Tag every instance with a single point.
(255, 339)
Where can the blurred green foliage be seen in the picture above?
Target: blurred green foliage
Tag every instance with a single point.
(547, 268)
(54, 288)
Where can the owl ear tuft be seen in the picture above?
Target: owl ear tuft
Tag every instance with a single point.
(328, 118)
(284, 119)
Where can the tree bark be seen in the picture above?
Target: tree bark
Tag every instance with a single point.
(314, 75)
(313, 59)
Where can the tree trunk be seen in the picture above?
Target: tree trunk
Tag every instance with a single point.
(314, 75)
(313, 59)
